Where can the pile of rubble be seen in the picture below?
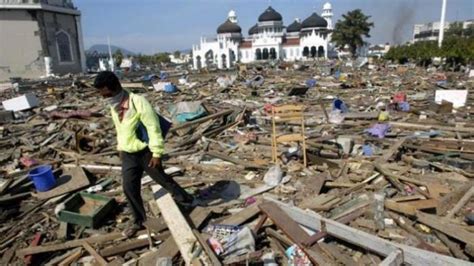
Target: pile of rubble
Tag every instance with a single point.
(388, 180)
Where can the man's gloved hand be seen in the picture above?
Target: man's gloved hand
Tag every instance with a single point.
(154, 162)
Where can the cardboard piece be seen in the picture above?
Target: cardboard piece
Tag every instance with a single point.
(21, 103)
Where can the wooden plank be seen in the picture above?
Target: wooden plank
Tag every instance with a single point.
(393, 179)
(414, 256)
(461, 203)
(453, 247)
(58, 259)
(71, 258)
(8, 255)
(446, 202)
(400, 208)
(200, 120)
(393, 259)
(35, 242)
(71, 244)
(344, 219)
(129, 245)
(169, 248)
(246, 165)
(453, 230)
(242, 216)
(94, 253)
(177, 224)
(393, 149)
(289, 137)
(337, 254)
(293, 231)
(283, 239)
(210, 253)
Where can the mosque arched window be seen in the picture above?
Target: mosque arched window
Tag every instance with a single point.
(63, 43)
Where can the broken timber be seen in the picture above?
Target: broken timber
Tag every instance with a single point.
(179, 228)
(378, 245)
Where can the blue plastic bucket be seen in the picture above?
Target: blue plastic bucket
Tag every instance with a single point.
(43, 178)
(170, 88)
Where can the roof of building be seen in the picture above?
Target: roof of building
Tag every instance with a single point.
(245, 44)
(377, 48)
(270, 15)
(291, 41)
(314, 21)
(253, 29)
(294, 27)
(229, 27)
(327, 6)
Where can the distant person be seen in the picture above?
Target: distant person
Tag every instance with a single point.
(130, 112)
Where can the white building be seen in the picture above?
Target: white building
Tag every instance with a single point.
(430, 31)
(182, 59)
(268, 39)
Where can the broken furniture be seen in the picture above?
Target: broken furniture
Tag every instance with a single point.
(288, 114)
(86, 209)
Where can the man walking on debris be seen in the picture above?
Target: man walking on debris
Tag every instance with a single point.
(131, 114)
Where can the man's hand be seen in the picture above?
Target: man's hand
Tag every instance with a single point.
(154, 162)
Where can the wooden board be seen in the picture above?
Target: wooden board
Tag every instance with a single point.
(293, 231)
(242, 216)
(94, 253)
(177, 224)
(70, 244)
(72, 180)
(370, 242)
(445, 226)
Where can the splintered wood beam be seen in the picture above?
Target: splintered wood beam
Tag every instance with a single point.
(294, 232)
(94, 253)
(177, 224)
(461, 203)
(412, 255)
(443, 225)
(393, 259)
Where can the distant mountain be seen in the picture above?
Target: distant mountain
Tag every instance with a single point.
(104, 48)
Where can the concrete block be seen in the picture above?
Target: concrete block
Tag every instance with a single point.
(346, 142)
(21, 103)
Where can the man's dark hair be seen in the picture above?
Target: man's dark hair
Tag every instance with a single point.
(109, 79)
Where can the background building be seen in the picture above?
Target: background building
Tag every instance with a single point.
(40, 37)
(268, 39)
(430, 31)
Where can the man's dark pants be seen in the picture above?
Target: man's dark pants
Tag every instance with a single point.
(133, 166)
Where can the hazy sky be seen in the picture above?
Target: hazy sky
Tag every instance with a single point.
(151, 26)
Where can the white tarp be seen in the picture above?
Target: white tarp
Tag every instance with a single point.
(457, 97)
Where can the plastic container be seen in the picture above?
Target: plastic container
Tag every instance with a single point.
(170, 88)
(43, 178)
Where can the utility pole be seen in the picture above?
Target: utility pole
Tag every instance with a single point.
(111, 59)
(441, 24)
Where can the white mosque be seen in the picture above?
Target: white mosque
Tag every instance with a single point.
(268, 39)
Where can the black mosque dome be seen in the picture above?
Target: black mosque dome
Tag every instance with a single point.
(314, 21)
(229, 27)
(270, 15)
(294, 27)
(253, 29)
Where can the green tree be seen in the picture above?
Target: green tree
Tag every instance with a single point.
(118, 57)
(177, 54)
(351, 30)
(469, 30)
(455, 29)
(161, 58)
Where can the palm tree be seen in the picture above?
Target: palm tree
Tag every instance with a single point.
(351, 30)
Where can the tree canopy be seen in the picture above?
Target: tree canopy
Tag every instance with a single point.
(455, 50)
(352, 30)
(118, 57)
